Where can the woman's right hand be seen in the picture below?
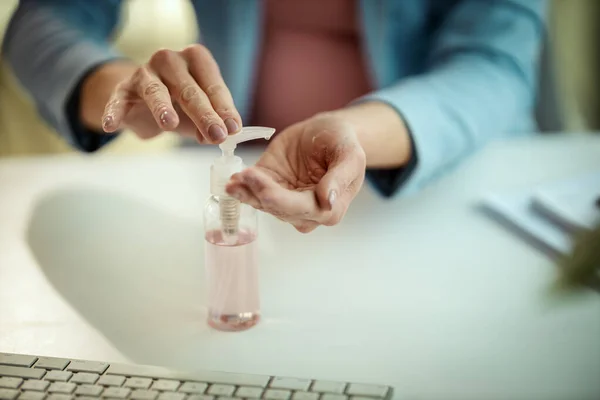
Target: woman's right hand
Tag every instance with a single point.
(180, 91)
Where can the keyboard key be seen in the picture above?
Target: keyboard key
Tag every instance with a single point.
(86, 398)
(8, 394)
(27, 395)
(359, 389)
(144, 395)
(10, 383)
(202, 376)
(328, 387)
(20, 372)
(290, 383)
(116, 393)
(16, 360)
(361, 398)
(249, 392)
(171, 396)
(138, 383)
(332, 396)
(60, 376)
(62, 387)
(51, 363)
(277, 394)
(87, 366)
(221, 390)
(111, 380)
(200, 397)
(305, 396)
(166, 385)
(34, 384)
(193, 387)
(84, 377)
(89, 390)
(59, 396)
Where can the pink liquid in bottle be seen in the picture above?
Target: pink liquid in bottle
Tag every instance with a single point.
(232, 271)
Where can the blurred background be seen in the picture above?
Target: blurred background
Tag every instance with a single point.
(568, 95)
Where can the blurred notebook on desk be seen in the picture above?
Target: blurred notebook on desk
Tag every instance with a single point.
(549, 215)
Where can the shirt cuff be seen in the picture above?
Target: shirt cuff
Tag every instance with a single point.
(387, 181)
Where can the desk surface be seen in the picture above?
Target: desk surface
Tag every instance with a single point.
(102, 258)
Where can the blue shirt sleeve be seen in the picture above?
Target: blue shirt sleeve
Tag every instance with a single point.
(481, 78)
(51, 46)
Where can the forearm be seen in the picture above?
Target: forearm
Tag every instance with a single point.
(50, 46)
(97, 89)
(480, 86)
(381, 132)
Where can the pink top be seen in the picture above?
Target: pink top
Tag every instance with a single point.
(311, 61)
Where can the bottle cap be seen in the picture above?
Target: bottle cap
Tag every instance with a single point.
(228, 164)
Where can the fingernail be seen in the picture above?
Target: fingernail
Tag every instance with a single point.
(216, 133)
(332, 197)
(165, 118)
(107, 122)
(231, 125)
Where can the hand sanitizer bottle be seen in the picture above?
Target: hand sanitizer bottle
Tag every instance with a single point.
(231, 255)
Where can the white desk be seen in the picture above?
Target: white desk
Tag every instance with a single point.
(102, 258)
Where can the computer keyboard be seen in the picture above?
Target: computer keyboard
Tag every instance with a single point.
(26, 377)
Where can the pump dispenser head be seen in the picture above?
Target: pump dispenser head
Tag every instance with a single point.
(221, 171)
(248, 133)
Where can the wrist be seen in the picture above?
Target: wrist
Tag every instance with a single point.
(97, 88)
(381, 132)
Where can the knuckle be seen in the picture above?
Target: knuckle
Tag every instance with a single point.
(158, 107)
(277, 214)
(200, 56)
(161, 57)
(216, 89)
(226, 112)
(207, 119)
(138, 75)
(268, 196)
(152, 89)
(304, 228)
(121, 86)
(354, 187)
(188, 93)
(333, 219)
(196, 50)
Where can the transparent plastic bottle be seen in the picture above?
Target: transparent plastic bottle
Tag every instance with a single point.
(232, 269)
(231, 252)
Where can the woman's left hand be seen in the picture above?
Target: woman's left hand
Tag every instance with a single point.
(308, 175)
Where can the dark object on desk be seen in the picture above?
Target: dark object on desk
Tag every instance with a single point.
(581, 268)
(598, 202)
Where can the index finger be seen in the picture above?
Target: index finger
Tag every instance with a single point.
(116, 108)
(205, 70)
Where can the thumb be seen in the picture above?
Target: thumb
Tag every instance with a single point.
(343, 179)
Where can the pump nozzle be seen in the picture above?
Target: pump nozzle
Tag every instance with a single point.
(248, 133)
(221, 171)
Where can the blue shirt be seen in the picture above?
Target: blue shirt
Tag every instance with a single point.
(459, 72)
